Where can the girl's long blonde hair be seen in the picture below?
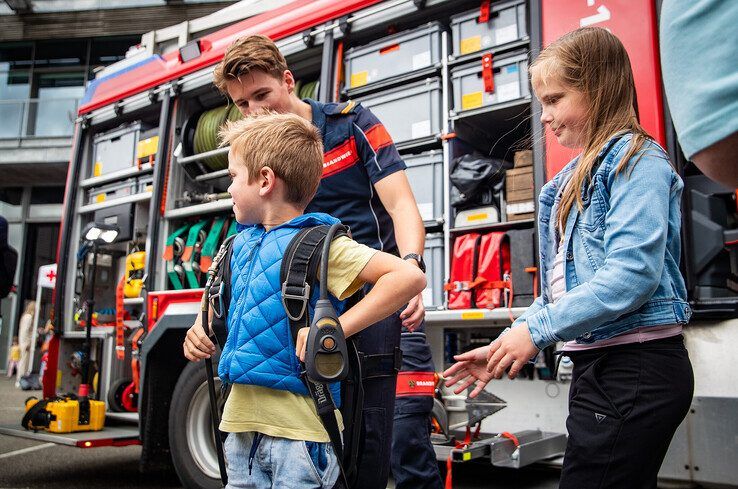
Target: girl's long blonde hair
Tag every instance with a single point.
(592, 61)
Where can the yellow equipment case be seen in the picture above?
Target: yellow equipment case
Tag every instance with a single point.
(62, 415)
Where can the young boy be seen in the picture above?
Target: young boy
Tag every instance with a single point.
(276, 437)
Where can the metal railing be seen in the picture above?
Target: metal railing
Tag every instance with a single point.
(46, 117)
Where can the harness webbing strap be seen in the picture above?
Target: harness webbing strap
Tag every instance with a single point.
(299, 270)
(299, 260)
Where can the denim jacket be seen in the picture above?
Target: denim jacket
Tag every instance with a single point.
(621, 251)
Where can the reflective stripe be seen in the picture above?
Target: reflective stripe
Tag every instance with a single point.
(378, 137)
(415, 384)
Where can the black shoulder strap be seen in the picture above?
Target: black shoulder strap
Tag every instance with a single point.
(220, 290)
(299, 272)
(298, 276)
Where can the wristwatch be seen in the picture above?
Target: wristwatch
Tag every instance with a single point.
(418, 258)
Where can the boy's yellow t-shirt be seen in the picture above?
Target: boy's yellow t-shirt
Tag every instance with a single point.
(281, 413)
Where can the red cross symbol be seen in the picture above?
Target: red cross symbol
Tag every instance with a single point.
(51, 275)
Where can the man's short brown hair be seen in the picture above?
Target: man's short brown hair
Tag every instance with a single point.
(288, 144)
(247, 54)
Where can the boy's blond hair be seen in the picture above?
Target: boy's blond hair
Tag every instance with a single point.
(288, 144)
(247, 54)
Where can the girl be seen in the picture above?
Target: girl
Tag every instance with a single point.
(609, 243)
(25, 335)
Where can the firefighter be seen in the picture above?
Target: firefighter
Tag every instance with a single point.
(365, 186)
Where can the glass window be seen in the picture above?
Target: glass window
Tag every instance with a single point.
(11, 200)
(15, 62)
(53, 54)
(108, 50)
(47, 195)
(58, 95)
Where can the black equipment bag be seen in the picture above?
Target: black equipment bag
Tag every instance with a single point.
(477, 181)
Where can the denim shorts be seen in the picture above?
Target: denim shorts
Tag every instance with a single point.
(260, 461)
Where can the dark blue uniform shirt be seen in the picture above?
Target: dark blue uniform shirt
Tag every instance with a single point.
(358, 152)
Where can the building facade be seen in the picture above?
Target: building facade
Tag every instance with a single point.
(49, 51)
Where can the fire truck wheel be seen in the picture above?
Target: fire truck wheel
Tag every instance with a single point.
(115, 395)
(190, 430)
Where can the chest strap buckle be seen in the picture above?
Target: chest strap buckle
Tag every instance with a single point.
(292, 294)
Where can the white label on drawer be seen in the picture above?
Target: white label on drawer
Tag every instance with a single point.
(508, 91)
(506, 34)
(421, 129)
(520, 207)
(427, 296)
(421, 60)
(426, 210)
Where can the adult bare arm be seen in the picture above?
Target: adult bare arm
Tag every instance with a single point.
(397, 197)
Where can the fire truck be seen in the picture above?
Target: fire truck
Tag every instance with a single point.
(448, 78)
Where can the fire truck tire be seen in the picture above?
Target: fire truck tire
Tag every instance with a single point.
(190, 430)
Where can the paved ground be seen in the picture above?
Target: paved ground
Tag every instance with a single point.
(32, 464)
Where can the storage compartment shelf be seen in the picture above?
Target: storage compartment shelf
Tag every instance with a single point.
(119, 175)
(421, 144)
(212, 176)
(414, 76)
(523, 223)
(511, 46)
(142, 197)
(472, 317)
(193, 210)
(501, 111)
(201, 156)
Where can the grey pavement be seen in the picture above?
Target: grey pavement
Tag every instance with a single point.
(32, 464)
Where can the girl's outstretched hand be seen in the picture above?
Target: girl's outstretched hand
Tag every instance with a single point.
(513, 349)
(470, 368)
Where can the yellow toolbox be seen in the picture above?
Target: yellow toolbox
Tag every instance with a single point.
(62, 416)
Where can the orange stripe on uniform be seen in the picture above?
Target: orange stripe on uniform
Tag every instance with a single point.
(415, 384)
(378, 137)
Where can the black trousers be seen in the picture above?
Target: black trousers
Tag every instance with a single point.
(625, 404)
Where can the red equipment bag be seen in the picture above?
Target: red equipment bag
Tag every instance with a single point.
(480, 270)
(463, 271)
(493, 270)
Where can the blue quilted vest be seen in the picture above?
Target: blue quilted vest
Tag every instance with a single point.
(259, 349)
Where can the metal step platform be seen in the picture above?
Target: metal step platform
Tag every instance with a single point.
(110, 436)
(534, 446)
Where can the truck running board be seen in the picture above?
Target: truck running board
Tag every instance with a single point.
(114, 436)
(534, 446)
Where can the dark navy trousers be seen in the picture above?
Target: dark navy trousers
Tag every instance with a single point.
(407, 446)
(413, 461)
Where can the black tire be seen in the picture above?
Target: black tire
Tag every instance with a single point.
(190, 430)
(115, 395)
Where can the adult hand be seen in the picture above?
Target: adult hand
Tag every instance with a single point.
(197, 345)
(513, 350)
(301, 343)
(414, 313)
(470, 368)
